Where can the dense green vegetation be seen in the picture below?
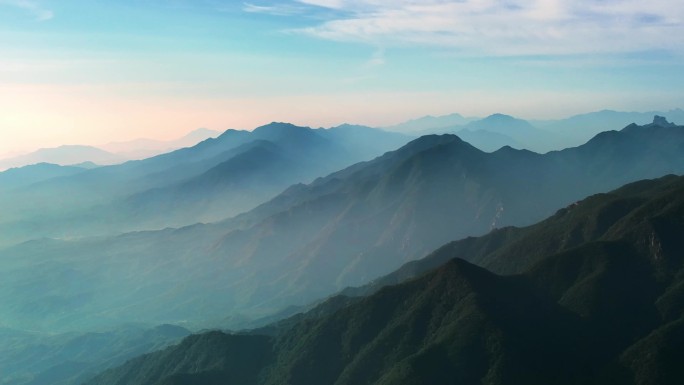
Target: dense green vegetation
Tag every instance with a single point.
(605, 306)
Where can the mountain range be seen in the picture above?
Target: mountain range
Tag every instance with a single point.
(600, 302)
(66, 155)
(210, 181)
(69, 300)
(107, 154)
(578, 128)
(341, 230)
(499, 130)
(144, 148)
(428, 124)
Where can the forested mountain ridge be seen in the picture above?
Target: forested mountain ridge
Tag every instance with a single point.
(607, 310)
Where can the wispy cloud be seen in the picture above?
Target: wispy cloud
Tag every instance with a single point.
(377, 59)
(275, 9)
(334, 4)
(506, 27)
(368, 70)
(37, 11)
(310, 10)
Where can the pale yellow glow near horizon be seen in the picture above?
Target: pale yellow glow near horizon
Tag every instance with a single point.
(39, 116)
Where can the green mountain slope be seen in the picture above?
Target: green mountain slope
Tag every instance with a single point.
(608, 310)
(601, 217)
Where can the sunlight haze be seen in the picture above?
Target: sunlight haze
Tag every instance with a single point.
(93, 72)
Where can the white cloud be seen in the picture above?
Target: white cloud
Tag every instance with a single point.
(38, 12)
(508, 27)
(277, 10)
(333, 4)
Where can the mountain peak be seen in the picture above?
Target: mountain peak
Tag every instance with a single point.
(662, 121)
(507, 150)
(348, 126)
(429, 122)
(658, 121)
(433, 117)
(500, 117)
(444, 141)
(200, 134)
(496, 120)
(277, 125)
(278, 128)
(434, 140)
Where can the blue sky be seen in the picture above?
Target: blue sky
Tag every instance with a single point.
(74, 71)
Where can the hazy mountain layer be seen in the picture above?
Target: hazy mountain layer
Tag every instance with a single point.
(342, 230)
(28, 175)
(578, 129)
(347, 228)
(145, 148)
(29, 358)
(111, 153)
(498, 130)
(606, 310)
(429, 124)
(524, 134)
(513, 250)
(487, 141)
(213, 180)
(63, 155)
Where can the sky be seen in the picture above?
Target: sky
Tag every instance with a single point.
(96, 71)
